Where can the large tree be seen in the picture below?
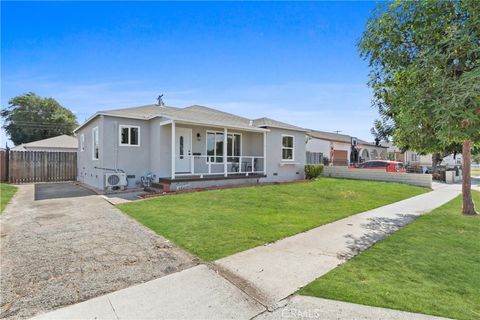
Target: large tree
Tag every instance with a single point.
(30, 118)
(425, 74)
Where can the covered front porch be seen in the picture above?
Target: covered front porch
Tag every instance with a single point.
(208, 152)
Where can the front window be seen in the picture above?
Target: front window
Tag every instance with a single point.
(215, 147)
(95, 144)
(288, 148)
(129, 135)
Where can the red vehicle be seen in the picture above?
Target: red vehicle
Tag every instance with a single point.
(389, 166)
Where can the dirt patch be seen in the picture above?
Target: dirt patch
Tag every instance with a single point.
(57, 252)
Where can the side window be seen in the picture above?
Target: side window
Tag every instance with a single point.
(95, 144)
(288, 146)
(129, 135)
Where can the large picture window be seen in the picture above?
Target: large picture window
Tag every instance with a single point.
(288, 148)
(215, 147)
(95, 144)
(129, 135)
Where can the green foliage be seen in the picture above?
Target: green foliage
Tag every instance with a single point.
(431, 266)
(6, 193)
(30, 118)
(425, 58)
(218, 223)
(313, 171)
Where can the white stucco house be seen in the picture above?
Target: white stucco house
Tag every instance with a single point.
(337, 148)
(62, 143)
(186, 148)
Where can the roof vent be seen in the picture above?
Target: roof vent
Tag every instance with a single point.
(160, 101)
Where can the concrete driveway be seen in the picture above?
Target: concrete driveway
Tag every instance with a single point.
(57, 252)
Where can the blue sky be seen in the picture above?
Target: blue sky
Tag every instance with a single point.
(294, 62)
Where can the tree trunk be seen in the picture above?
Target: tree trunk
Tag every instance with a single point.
(468, 205)
(435, 161)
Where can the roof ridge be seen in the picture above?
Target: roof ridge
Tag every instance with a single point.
(216, 110)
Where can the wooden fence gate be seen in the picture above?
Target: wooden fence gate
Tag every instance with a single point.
(41, 166)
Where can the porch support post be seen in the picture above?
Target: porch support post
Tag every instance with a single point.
(264, 153)
(225, 141)
(173, 150)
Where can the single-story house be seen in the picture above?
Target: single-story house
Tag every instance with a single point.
(338, 148)
(186, 148)
(62, 143)
(411, 157)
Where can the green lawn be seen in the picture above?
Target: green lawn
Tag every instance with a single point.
(6, 193)
(432, 266)
(475, 172)
(214, 224)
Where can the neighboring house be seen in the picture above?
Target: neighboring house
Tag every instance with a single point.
(188, 147)
(61, 143)
(337, 148)
(410, 157)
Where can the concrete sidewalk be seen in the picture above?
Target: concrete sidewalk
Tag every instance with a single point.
(307, 308)
(195, 293)
(279, 269)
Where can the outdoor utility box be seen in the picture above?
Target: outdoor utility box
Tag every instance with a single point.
(453, 176)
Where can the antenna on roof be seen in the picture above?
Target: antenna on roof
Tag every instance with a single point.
(160, 101)
(337, 131)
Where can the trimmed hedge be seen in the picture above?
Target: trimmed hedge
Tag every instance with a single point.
(313, 171)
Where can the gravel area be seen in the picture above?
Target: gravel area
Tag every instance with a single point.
(57, 252)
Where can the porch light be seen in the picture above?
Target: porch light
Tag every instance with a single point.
(198, 136)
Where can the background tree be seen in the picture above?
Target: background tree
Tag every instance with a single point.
(30, 118)
(424, 58)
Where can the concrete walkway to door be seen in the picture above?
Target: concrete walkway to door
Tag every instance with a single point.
(71, 246)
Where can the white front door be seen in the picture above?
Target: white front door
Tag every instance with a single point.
(183, 149)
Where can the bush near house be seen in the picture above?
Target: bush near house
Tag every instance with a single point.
(313, 171)
(6, 193)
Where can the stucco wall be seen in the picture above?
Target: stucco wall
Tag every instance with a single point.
(422, 180)
(134, 160)
(278, 169)
(87, 173)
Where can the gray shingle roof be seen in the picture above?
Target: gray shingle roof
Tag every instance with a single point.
(63, 141)
(197, 114)
(330, 136)
(267, 122)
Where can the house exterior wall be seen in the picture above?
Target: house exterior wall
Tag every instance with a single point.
(87, 173)
(279, 170)
(134, 160)
(153, 154)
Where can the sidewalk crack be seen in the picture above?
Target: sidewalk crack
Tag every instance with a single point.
(111, 305)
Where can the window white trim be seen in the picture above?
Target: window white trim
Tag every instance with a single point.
(95, 133)
(82, 142)
(207, 159)
(288, 148)
(120, 127)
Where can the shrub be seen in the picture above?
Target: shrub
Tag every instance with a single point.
(313, 171)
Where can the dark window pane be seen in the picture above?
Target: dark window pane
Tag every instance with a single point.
(287, 142)
(210, 145)
(219, 147)
(134, 136)
(237, 145)
(124, 138)
(287, 154)
(181, 147)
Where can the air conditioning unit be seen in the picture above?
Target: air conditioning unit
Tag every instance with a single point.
(116, 180)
